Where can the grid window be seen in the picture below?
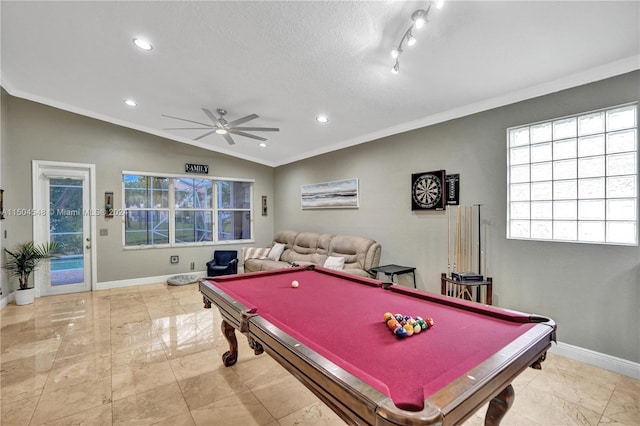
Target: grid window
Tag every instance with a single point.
(169, 211)
(575, 178)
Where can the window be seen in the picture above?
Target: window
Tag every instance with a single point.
(170, 211)
(575, 178)
(194, 210)
(234, 210)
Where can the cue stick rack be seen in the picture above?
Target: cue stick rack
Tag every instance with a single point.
(466, 257)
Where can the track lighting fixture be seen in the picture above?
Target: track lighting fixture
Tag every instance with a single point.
(419, 18)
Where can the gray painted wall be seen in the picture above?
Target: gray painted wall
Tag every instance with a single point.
(32, 131)
(591, 291)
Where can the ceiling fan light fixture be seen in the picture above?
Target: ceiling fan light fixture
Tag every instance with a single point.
(221, 131)
(142, 44)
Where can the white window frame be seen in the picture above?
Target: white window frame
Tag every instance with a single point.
(172, 210)
(521, 182)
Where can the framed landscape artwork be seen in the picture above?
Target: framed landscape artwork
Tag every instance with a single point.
(339, 194)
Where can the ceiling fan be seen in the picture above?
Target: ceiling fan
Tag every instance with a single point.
(224, 127)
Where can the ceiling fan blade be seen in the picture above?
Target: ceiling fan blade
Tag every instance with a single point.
(205, 135)
(258, 129)
(246, 135)
(187, 128)
(229, 139)
(189, 121)
(211, 116)
(242, 120)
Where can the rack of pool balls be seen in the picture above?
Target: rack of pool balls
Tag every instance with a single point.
(406, 325)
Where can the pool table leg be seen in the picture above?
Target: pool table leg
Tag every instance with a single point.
(207, 302)
(230, 357)
(498, 406)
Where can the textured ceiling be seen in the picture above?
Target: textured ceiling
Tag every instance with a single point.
(289, 61)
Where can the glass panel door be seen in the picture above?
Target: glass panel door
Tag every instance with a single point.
(63, 191)
(66, 227)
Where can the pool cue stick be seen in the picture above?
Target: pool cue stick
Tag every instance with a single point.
(470, 239)
(458, 240)
(479, 242)
(465, 223)
(449, 241)
(462, 243)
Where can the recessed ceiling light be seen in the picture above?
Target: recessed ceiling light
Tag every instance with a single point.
(262, 145)
(322, 119)
(142, 44)
(130, 102)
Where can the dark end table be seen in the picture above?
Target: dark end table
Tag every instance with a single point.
(394, 270)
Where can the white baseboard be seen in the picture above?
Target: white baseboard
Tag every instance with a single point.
(142, 281)
(597, 359)
(5, 300)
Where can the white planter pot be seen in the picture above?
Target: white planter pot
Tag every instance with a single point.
(25, 297)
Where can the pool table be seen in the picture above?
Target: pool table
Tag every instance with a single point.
(329, 332)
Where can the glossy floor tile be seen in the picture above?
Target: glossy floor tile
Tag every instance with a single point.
(151, 355)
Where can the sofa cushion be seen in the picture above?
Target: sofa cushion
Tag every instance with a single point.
(257, 265)
(353, 248)
(304, 248)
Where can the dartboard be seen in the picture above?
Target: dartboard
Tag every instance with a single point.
(426, 190)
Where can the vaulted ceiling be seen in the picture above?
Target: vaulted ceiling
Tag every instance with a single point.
(289, 61)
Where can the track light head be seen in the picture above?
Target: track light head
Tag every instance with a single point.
(419, 18)
(395, 53)
(411, 40)
(396, 68)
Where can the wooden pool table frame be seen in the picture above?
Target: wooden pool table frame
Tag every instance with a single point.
(357, 402)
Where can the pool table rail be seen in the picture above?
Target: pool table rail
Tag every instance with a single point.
(467, 394)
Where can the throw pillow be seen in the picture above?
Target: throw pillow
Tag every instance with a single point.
(276, 251)
(255, 252)
(334, 262)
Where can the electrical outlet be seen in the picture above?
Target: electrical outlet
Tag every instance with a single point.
(193, 265)
(174, 259)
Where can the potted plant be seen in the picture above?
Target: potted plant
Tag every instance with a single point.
(25, 259)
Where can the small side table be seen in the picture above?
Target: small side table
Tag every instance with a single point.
(395, 270)
(465, 289)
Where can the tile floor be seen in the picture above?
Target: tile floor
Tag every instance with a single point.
(151, 355)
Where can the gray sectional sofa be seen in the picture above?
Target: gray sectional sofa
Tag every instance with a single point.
(348, 253)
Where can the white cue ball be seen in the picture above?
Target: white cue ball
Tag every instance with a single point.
(294, 283)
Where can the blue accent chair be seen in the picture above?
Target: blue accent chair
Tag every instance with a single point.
(224, 262)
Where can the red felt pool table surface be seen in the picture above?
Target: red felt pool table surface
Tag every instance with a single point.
(341, 318)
